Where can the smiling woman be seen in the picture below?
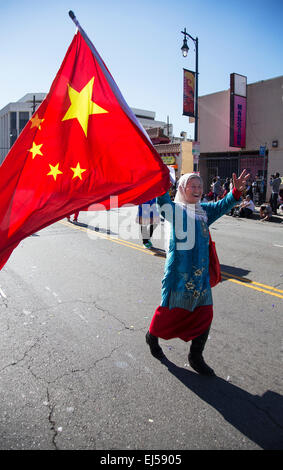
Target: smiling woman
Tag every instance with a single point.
(186, 309)
(194, 190)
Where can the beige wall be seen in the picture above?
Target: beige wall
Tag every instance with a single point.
(265, 121)
(214, 118)
(187, 164)
(265, 113)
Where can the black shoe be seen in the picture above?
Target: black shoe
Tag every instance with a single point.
(197, 363)
(155, 349)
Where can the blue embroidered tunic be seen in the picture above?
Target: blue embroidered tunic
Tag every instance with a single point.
(186, 274)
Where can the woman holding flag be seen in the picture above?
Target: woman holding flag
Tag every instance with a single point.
(186, 309)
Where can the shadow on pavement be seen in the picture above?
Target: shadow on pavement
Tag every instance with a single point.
(95, 229)
(259, 418)
(158, 252)
(234, 272)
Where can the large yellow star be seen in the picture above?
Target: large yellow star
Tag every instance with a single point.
(54, 171)
(36, 122)
(82, 106)
(35, 150)
(78, 171)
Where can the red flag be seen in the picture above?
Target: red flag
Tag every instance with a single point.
(82, 145)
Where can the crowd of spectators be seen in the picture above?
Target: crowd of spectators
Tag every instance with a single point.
(253, 195)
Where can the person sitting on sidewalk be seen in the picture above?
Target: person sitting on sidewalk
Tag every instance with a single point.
(245, 209)
(265, 212)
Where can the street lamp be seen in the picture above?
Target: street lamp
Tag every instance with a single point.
(185, 50)
(185, 47)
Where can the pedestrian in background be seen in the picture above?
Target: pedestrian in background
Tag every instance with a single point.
(275, 183)
(249, 190)
(148, 218)
(75, 219)
(280, 200)
(216, 188)
(226, 186)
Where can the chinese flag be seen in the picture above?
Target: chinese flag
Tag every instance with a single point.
(82, 145)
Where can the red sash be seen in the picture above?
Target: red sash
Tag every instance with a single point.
(214, 265)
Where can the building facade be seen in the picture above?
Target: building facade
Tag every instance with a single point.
(264, 130)
(15, 116)
(13, 119)
(148, 121)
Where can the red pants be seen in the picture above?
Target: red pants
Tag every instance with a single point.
(181, 323)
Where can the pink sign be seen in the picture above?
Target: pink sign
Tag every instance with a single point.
(239, 131)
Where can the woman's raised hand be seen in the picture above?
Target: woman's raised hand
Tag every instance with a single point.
(240, 183)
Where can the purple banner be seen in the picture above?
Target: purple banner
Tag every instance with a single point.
(238, 121)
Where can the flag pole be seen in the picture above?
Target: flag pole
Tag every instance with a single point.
(79, 28)
(83, 33)
(73, 17)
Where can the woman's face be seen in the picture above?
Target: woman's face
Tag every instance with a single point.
(194, 190)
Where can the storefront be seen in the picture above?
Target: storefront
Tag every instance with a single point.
(225, 164)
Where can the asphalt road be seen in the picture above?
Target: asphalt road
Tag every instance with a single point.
(75, 372)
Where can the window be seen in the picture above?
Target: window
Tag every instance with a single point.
(23, 119)
(13, 127)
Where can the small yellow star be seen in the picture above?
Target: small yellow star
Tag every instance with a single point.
(82, 106)
(35, 150)
(54, 171)
(78, 171)
(36, 122)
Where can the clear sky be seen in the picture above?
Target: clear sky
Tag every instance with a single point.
(140, 43)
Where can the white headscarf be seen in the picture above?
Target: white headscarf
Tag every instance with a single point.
(181, 197)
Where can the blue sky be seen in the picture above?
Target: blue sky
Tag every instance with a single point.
(140, 43)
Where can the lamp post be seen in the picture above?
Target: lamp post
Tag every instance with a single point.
(185, 50)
